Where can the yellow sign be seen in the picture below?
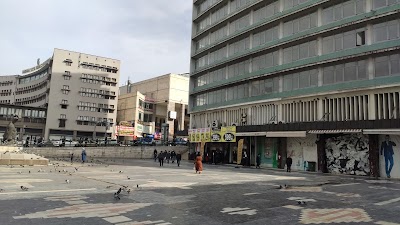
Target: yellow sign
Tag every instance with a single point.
(226, 134)
(239, 152)
(200, 135)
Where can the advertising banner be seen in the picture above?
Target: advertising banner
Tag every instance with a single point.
(125, 131)
(226, 134)
(240, 152)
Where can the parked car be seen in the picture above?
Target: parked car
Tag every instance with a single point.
(180, 141)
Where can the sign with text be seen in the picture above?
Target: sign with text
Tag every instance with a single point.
(226, 134)
(125, 131)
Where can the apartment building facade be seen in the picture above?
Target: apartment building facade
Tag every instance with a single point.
(75, 93)
(315, 80)
(155, 104)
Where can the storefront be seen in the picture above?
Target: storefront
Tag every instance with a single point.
(303, 151)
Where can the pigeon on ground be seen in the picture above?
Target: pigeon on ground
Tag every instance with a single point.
(24, 188)
(67, 181)
(128, 177)
(76, 169)
(2, 190)
(70, 174)
(29, 171)
(129, 190)
(116, 194)
(301, 202)
(121, 171)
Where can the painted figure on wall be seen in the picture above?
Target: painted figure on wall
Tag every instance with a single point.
(387, 152)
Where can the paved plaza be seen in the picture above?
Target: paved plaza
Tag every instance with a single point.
(176, 195)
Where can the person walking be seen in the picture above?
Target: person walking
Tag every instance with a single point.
(161, 158)
(387, 152)
(178, 159)
(83, 155)
(72, 158)
(258, 161)
(155, 155)
(168, 156)
(198, 165)
(173, 156)
(289, 162)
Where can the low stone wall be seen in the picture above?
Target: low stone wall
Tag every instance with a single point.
(134, 152)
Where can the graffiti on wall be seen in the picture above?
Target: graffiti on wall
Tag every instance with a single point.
(348, 154)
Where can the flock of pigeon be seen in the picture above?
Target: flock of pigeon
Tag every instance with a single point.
(56, 169)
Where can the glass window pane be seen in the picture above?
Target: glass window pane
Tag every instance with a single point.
(381, 66)
(287, 83)
(380, 32)
(328, 75)
(327, 45)
(362, 70)
(304, 79)
(350, 72)
(313, 78)
(327, 16)
(339, 74)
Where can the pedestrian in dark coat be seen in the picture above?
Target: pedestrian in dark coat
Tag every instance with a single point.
(155, 154)
(289, 162)
(258, 161)
(72, 157)
(168, 157)
(161, 158)
(178, 158)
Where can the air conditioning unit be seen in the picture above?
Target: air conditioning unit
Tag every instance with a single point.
(215, 124)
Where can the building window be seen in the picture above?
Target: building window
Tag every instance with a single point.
(68, 63)
(61, 123)
(67, 78)
(343, 10)
(382, 3)
(386, 31)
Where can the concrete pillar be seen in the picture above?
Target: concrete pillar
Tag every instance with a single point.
(371, 107)
(75, 134)
(182, 121)
(170, 107)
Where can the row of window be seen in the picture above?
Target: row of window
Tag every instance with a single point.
(5, 94)
(104, 92)
(343, 10)
(26, 113)
(30, 97)
(6, 83)
(202, 7)
(351, 39)
(28, 102)
(32, 78)
(351, 71)
(5, 101)
(98, 67)
(90, 118)
(36, 88)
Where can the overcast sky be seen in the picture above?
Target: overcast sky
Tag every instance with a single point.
(150, 37)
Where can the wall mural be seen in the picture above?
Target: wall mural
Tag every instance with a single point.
(348, 154)
(389, 147)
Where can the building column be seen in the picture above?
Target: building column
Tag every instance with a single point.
(374, 155)
(75, 134)
(182, 122)
(170, 107)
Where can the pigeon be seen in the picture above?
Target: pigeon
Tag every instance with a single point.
(280, 187)
(128, 177)
(24, 188)
(2, 190)
(67, 181)
(137, 185)
(129, 190)
(70, 174)
(116, 194)
(76, 169)
(121, 171)
(301, 202)
(29, 171)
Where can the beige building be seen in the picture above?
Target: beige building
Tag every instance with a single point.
(151, 103)
(78, 91)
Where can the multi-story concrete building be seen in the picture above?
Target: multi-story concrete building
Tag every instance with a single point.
(312, 79)
(151, 103)
(77, 91)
